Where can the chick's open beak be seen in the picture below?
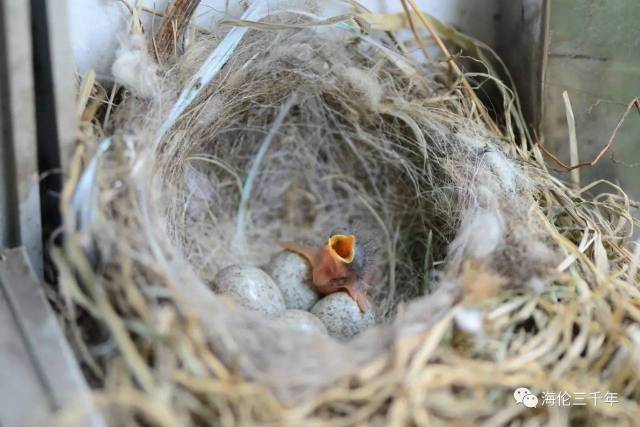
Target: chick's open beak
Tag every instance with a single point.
(342, 247)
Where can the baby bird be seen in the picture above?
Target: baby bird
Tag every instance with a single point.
(341, 265)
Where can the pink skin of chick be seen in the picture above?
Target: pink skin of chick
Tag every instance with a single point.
(331, 267)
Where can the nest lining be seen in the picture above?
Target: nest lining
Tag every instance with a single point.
(350, 137)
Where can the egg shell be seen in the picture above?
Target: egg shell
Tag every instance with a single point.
(302, 321)
(292, 274)
(251, 288)
(342, 316)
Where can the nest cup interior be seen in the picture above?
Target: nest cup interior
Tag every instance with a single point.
(304, 130)
(343, 152)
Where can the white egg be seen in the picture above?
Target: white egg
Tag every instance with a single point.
(292, 274)
(251, 288)
(302, 321)
(342, 316)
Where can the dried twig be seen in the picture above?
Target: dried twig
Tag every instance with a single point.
(173, 26)
(635, 103)
(573, 139)
(454, 66)
(414, 30)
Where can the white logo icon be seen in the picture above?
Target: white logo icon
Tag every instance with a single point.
(520, 393)
(523, 395)
(530, 401)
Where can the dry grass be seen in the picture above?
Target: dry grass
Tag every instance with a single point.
(312, 124)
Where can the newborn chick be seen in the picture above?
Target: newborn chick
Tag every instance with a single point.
(340, 265)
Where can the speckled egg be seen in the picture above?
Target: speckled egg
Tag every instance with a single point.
(342, 316)
(292, 274)
(251, 288)
(302, 321)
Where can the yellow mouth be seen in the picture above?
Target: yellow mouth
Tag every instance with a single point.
(343, 247)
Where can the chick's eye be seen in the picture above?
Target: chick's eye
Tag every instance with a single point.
(339, 282)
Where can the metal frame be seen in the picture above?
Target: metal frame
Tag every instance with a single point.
(55, 92)
(38, 371)
(39, 374)
(19, 198)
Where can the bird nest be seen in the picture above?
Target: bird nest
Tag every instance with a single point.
(282, 126)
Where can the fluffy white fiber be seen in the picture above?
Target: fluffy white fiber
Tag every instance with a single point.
(135, 68)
